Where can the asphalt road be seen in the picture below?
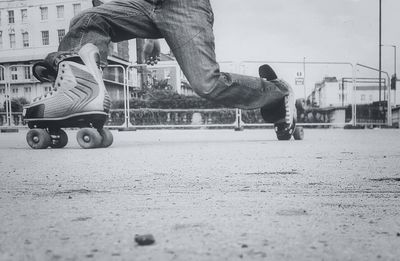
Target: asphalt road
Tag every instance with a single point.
(204, 195)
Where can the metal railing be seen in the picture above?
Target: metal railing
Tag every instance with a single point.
(238, 123)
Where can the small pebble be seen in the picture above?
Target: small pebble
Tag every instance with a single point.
(144, 240)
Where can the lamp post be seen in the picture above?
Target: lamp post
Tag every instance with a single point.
(304, 78)
(395, 72)
(395, 60)
(380, 50)
(395, 56)
(395, 64)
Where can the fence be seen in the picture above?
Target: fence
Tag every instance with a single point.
(373, 101)
(330, 94)
(321, 100)
(7, 117)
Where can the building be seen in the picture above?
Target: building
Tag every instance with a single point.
(168, 75)
(331, 92)
(29, 30)
(325, 93)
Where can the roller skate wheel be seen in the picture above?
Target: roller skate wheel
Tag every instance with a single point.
(38, 138)
(107, 138)
(59, 139)
(89, 138)
(282, 133)
(283, 136)
(298, 133)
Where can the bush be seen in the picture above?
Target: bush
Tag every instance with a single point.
(17, 104)
(166, 99)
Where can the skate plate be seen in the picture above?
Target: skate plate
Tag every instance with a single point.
(80, 120)
(46, 133)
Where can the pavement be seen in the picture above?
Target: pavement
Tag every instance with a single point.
(204, 195)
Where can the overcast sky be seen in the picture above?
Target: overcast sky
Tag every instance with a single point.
(321, 30)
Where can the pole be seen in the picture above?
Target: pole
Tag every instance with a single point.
(342, 92)
(395, 66)
(395, 73)
(380, 50)
(395, 60)
(141, 60)
(8, 90)
(304, 79)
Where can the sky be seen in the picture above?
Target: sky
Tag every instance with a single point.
(321, 30)
(314, 30)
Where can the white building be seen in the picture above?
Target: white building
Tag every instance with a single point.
(366, 90)
(29, 30)
(331, 92)
(325, 93)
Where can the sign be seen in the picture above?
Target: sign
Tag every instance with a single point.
(299, 81)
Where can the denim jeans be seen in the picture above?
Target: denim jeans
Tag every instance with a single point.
(187, 26)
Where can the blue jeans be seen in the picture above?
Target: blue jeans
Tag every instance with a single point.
(187, 26)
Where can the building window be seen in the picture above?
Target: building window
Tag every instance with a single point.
(61, 34)
(24, 15)
(14, 73)
(12, 41)
(25, 39)
(2, 91)
(15, 90)
(45, 38)
(60, 11)
(27, 72)
(371, 97)
(11, 18)
(44, 13)
(47, 89)
(1, 74)
(1, 40)
(28, 89)
(77, 8)
(363, 97)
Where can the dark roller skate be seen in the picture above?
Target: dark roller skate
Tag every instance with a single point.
(283, 112)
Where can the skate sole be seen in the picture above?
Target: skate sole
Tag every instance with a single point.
(80, 120)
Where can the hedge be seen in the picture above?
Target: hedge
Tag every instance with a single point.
(164, 99)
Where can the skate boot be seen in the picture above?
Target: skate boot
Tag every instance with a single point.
(78, 99)
(282, 112)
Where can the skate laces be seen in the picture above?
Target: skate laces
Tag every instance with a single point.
(290, 110)
(46, 95)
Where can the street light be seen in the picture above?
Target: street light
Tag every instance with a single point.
(395, 67)
(380, 50)
(395, 56)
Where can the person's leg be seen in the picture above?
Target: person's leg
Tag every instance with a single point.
(115, 21)
(78, 84)
(187, 27)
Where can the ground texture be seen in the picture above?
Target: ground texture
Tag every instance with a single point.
(204, 195)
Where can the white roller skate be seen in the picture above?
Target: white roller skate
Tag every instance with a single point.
(78, 99)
